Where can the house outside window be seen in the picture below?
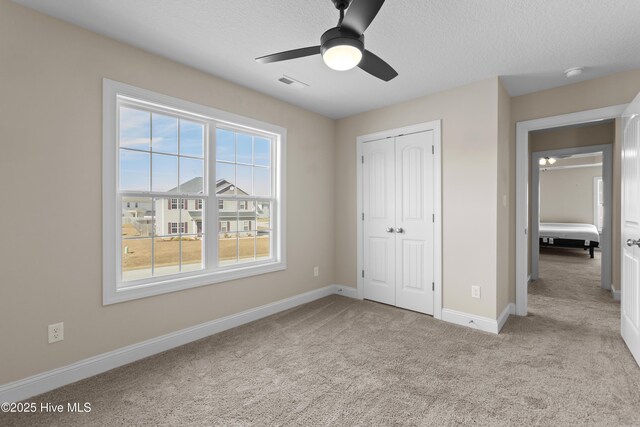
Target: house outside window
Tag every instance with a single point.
(171, 157)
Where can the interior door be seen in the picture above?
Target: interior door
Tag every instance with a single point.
(378, 188)
(630, 297)
(414, 222)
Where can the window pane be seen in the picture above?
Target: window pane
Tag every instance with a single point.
(174, 216)
(262, 181)
(191, 139)
(134, 171)
(135, 128)
(191, 173)
(136, 259)
(247, 247)
(244, 147)
(225, 178)
(192, 253)
(193, 216)
(262, 151)
(244, 179)
(263, 245)
(264, 215)
(225, 145)
(246, 217)
(137, 217)
(165, 173)
(164, 130)
(228, 216)
(227, 249)
(166, 255)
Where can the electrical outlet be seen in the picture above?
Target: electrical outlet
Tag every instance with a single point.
(316, 271)
(475, 291)
(56, 332)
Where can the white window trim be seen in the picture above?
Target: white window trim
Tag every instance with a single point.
(111, 210)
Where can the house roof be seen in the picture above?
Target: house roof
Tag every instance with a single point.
(194, 186)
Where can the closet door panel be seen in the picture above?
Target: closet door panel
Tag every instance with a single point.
(414, 221)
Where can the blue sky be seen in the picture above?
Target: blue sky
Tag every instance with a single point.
(157, 136)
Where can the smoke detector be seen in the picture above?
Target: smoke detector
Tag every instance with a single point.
(290, 81)
(573, 72)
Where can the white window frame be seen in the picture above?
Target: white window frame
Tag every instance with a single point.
(114, 289)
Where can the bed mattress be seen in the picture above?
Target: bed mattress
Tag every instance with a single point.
(568, 230)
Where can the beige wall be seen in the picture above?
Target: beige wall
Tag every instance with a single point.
(615, 89)
(566, 195)
(572, 137)
(469, 117)
(505, 257)
(51, 126)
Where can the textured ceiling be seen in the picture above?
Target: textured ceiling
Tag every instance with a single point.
(433, 44)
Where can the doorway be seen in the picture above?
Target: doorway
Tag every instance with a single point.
(523, 162)
(562, 202)
(399, 231)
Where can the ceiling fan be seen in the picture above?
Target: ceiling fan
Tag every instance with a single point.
(342, 47)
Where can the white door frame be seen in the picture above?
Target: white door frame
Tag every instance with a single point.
(605, 238)
(434, 126)
(522, 183)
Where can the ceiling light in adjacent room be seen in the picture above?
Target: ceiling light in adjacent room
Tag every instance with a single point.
(573, 72)
(546, 161)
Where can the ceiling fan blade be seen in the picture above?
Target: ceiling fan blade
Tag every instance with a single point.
(360, 14)
(289, 54)
(375, 66)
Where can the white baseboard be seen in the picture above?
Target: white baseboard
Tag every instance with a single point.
(478, 322)
(615, 293)
(509, 310)
(46, 381)
(346, 291)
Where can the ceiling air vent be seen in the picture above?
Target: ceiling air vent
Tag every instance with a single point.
(292, 82)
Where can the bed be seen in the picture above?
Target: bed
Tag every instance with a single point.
(569, 235)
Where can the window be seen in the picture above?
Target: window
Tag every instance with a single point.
(598, 203)
(244, 182)
(177, 204)
(172, 160)
(178, 227)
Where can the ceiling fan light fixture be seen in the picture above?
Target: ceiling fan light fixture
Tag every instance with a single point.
(542, 161)
(340, 50)
(342, 57)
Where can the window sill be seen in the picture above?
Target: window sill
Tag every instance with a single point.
(113, 294)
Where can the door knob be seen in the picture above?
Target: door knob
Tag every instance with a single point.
(389, 229)
(399, 230)
(631, 242)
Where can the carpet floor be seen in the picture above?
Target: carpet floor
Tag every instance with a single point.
(338, 361)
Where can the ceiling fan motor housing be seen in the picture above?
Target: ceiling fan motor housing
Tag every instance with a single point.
(336, 37)
(341, 4)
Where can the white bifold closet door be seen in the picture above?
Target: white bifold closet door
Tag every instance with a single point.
(398, 227)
